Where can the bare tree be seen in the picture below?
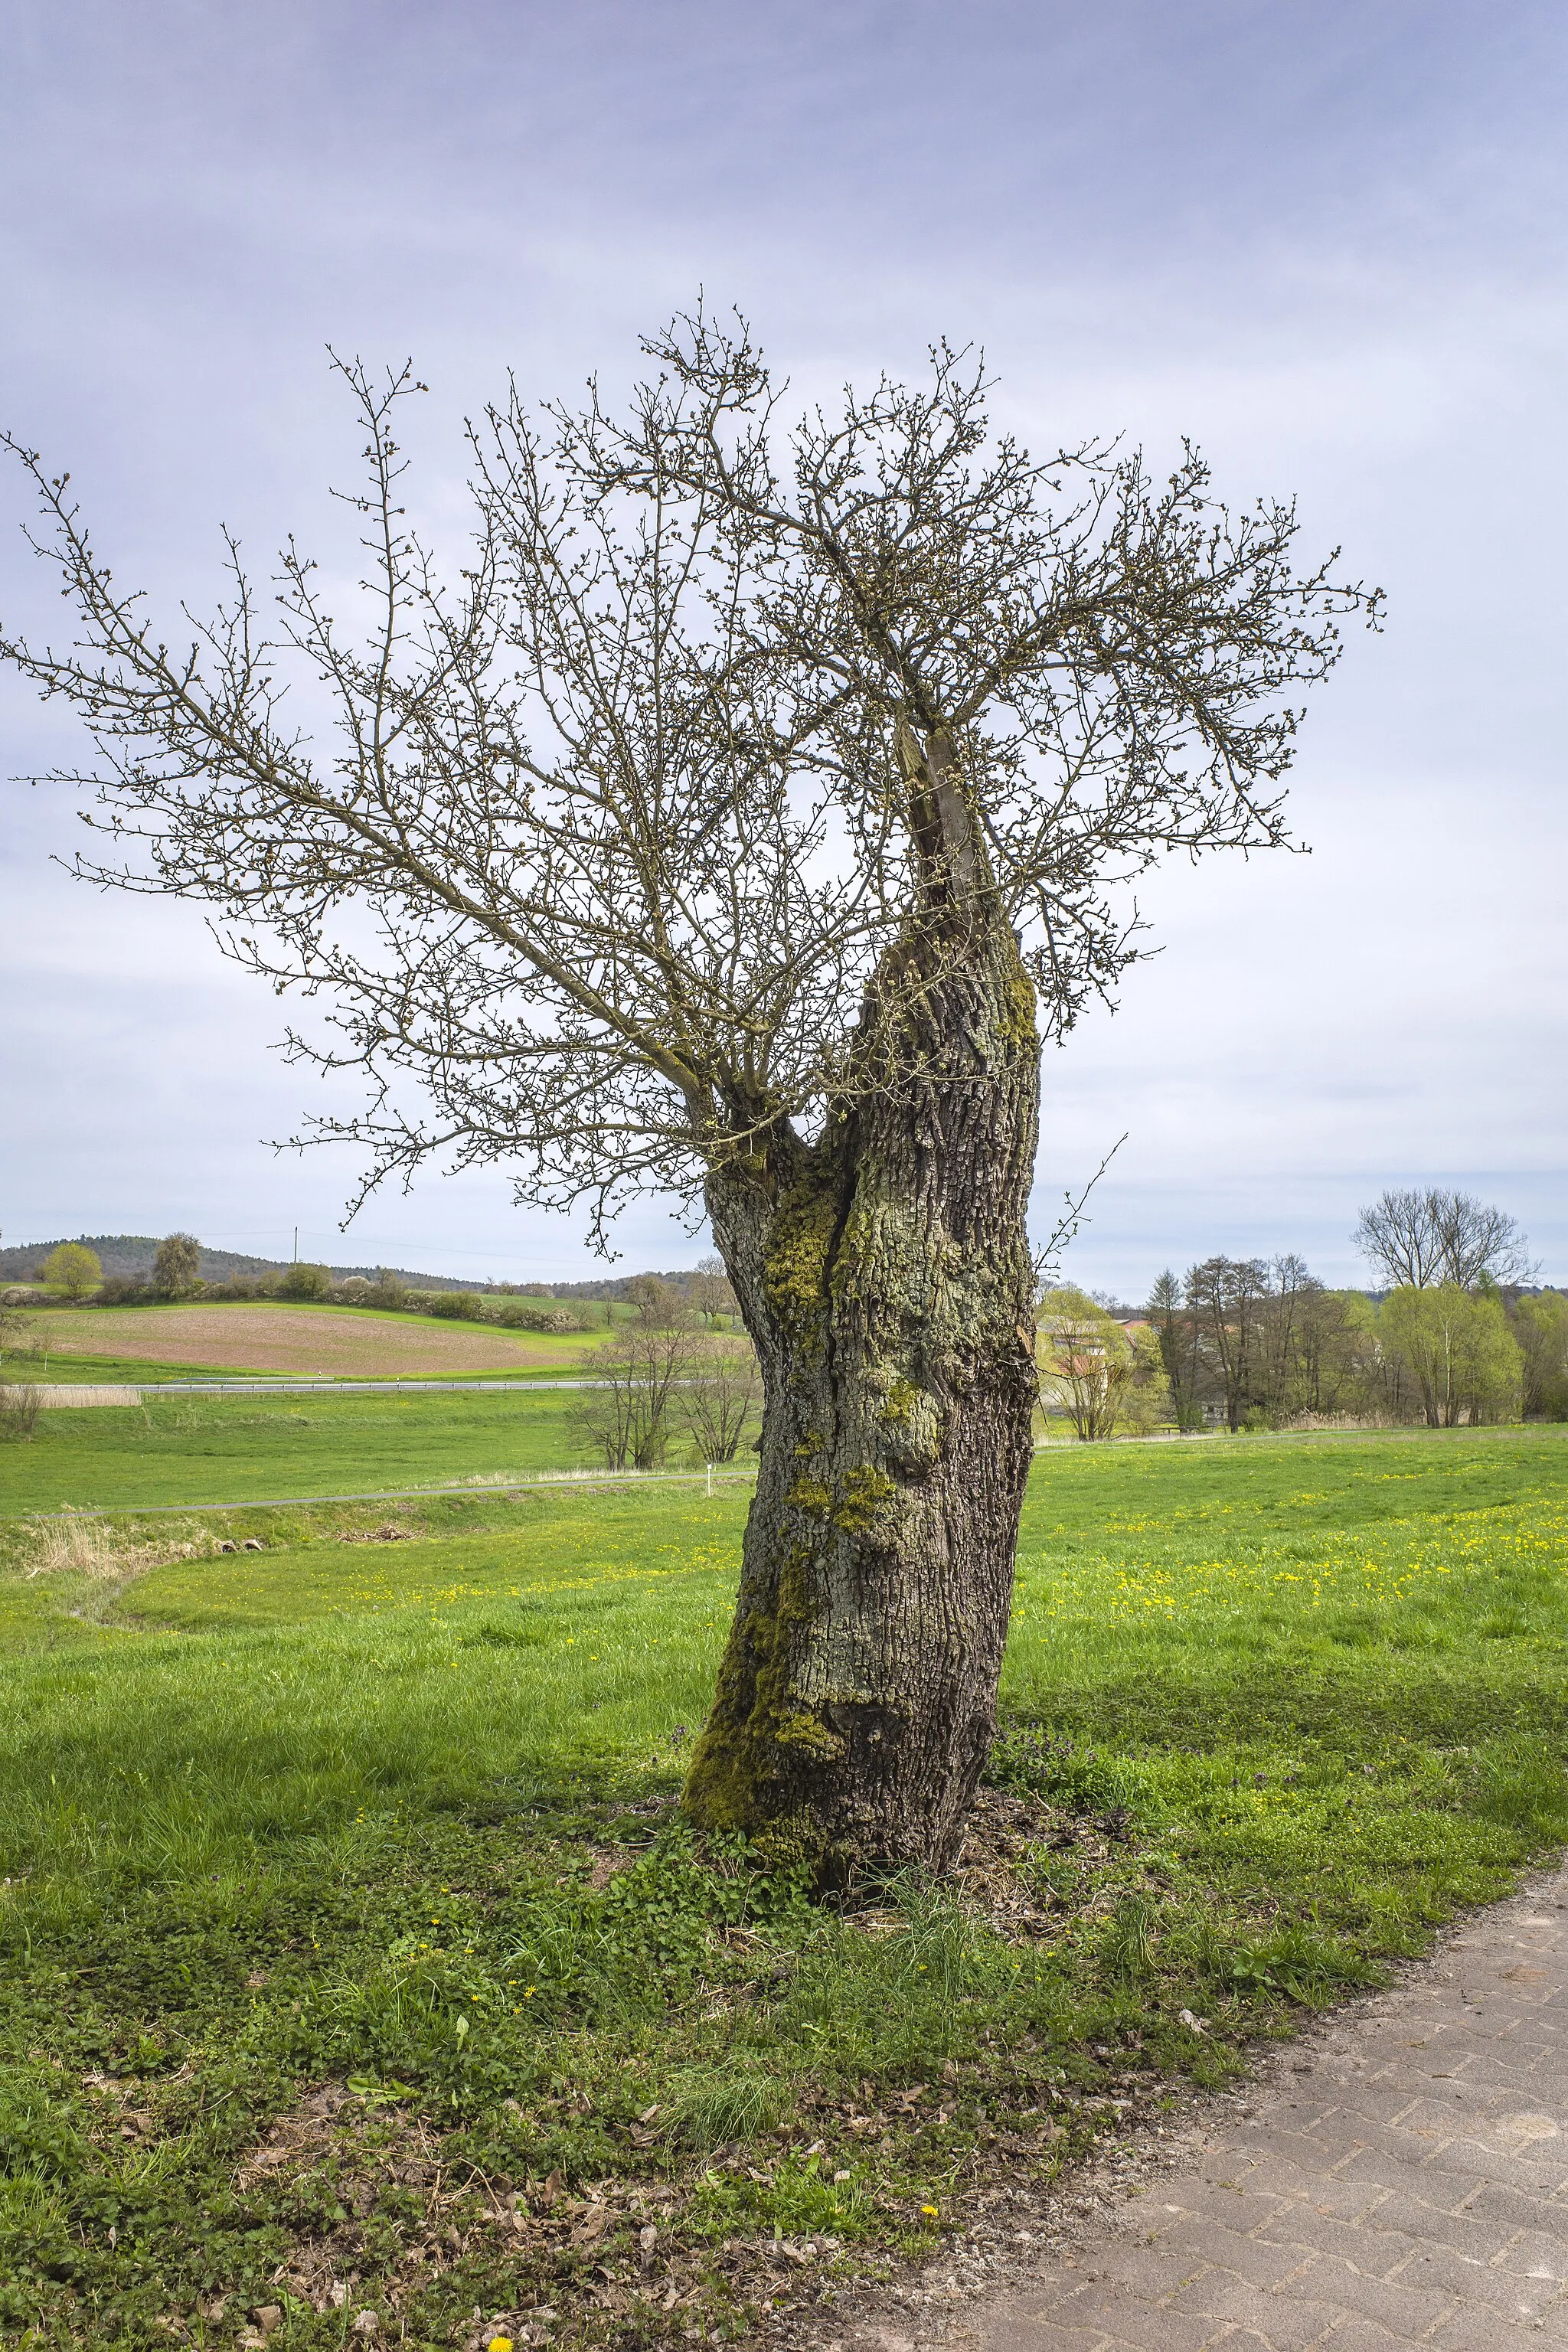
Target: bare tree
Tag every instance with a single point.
(721, 1395)
(733, 822)
(1419, 1238)
(636, 1374)
(710, 1290)
(1225, 1297)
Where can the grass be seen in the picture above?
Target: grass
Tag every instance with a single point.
(275, 1336)
(356, 1961)
(232, 1449)
(75, 1370)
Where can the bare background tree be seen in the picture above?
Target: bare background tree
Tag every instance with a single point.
(1225, 1298)
(733, 818)
(637, 1373)
(710, 1290)
(721, 1395)
(1422, 1237)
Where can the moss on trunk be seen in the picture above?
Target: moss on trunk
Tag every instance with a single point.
(884, 1274)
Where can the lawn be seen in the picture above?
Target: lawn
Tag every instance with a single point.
(353, 1342)
(356, 1961)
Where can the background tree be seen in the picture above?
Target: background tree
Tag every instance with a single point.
(721, 1394)
(637, 1375)
(73, 1268)
(1225, 1297)
(1540, 1328)
(1094, 1372)
(1463, 1357)
(710, 1293)
(176, 1264)
(1175, 1336)
(1418, 1237)
(731, 819)
(303, 1282)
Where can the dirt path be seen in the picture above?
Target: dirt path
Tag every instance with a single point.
(1398, 2178)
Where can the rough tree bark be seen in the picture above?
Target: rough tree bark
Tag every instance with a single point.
(884, 1274)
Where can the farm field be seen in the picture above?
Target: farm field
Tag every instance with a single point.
(350, 1341)
(355, 1959)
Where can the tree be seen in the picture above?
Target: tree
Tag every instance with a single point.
(637, 1375)
(721, 1391)
(1459, 1350)
(1540, 1328)
(733, 822)
(1225, 1297)
(1416, 1238)
(1175, 1336)
(176, 1264)
(1096, 1372)
(709, 1291)
(72, 1267)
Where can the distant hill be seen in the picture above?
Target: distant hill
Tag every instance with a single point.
(131, 1255)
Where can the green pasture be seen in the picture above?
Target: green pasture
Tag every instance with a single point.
(351, 1936)
(215, 1449)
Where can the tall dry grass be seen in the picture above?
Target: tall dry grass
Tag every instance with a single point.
(83, 1545)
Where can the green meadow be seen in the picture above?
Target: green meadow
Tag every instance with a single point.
(356, 1960)
(217, 1449)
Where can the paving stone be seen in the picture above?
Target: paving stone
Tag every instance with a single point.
(1289, 2323)
(1407, 2186)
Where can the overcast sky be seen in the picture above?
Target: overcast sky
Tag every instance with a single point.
(1324, 239)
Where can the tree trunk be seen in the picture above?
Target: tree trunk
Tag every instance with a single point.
(884, 1274)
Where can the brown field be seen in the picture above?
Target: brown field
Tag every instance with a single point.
(266, 1338)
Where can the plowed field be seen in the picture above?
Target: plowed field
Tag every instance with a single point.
(268, 1339)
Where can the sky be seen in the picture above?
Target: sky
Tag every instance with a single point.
(1325, 240)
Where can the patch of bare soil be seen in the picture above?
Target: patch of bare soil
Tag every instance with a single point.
(264, 1339)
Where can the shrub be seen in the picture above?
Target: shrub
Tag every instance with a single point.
(457, 1305)
(301, 1281)
(125, 1290)
(20, 1404)
(537, 1314)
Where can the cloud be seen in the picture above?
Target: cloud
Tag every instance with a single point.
(1328, 242)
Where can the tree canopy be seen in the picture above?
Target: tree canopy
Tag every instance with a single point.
(615, 824)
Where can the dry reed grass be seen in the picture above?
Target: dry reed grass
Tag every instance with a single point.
(78, 1545)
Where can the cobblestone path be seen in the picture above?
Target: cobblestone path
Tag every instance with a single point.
(1404, 2181)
